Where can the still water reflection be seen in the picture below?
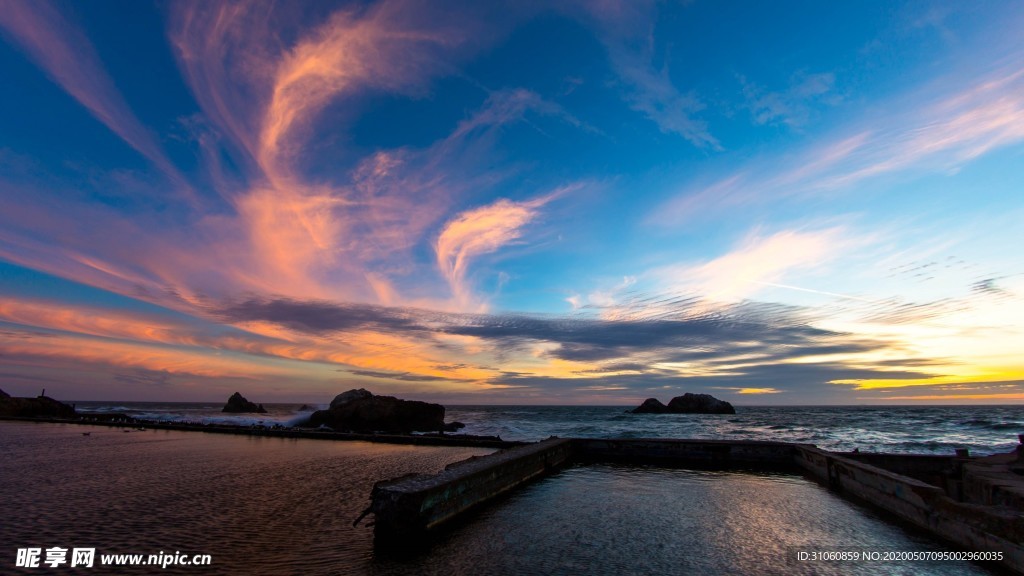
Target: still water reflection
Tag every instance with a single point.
(279, 506)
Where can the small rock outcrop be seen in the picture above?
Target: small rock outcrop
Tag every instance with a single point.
(651, 406)
(686, 404)
(351, 395)
(361, 411)
(238, 404)
(4, 395)
(39, 407)
(699, 404)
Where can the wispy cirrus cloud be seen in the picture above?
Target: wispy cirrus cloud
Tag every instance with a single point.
(67, 56)
(508, 106)
(480, 231)
(954, 127)
(793, 105)
(758, 261)
(263, 76)
(72, 349)
(383, 48)
(626, 31)
(311, 233)
(303, 229)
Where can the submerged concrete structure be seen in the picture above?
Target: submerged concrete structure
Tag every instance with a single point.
(973, 503)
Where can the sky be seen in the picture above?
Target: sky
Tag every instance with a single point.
(566, 202)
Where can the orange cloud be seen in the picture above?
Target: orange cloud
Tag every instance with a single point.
(96, 322)
(1005, 396)
(45, 351)
(378, 49)
(315, 239)
(480, 231)
(135, 331)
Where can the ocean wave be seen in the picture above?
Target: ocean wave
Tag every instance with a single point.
(928, 429)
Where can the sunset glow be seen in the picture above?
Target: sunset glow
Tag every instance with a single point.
(490, 203)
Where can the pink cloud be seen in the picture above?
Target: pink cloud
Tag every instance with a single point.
(281, 232)
(480, 231)
(322, 239)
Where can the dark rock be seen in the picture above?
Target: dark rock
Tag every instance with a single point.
(453, 426)
(39, 407)
(651, 406)
(305, 407)
(361, 411)
(351, 395)
(4, 394)
(686, 404)
(699, 404)
(238, 404)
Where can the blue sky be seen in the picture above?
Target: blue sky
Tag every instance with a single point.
(538, 203)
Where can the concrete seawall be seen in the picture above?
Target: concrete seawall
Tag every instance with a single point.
(409, 509)
(692, 453)
(937, 470)
(307, 433)
(972, 526)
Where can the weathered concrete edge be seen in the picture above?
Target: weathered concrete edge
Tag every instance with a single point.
(408, 508)
(706, 453)
(971, 526)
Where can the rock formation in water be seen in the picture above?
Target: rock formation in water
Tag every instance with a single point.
(361, 411)
(686, 404)
(651, 406)
(350, 396)
(39, 407)
(699, 404)
(238, 404)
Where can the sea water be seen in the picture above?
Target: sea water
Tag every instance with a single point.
(285, 506)
(902, 429)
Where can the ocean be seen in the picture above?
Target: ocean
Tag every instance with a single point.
(262, 505)
(901, 429)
